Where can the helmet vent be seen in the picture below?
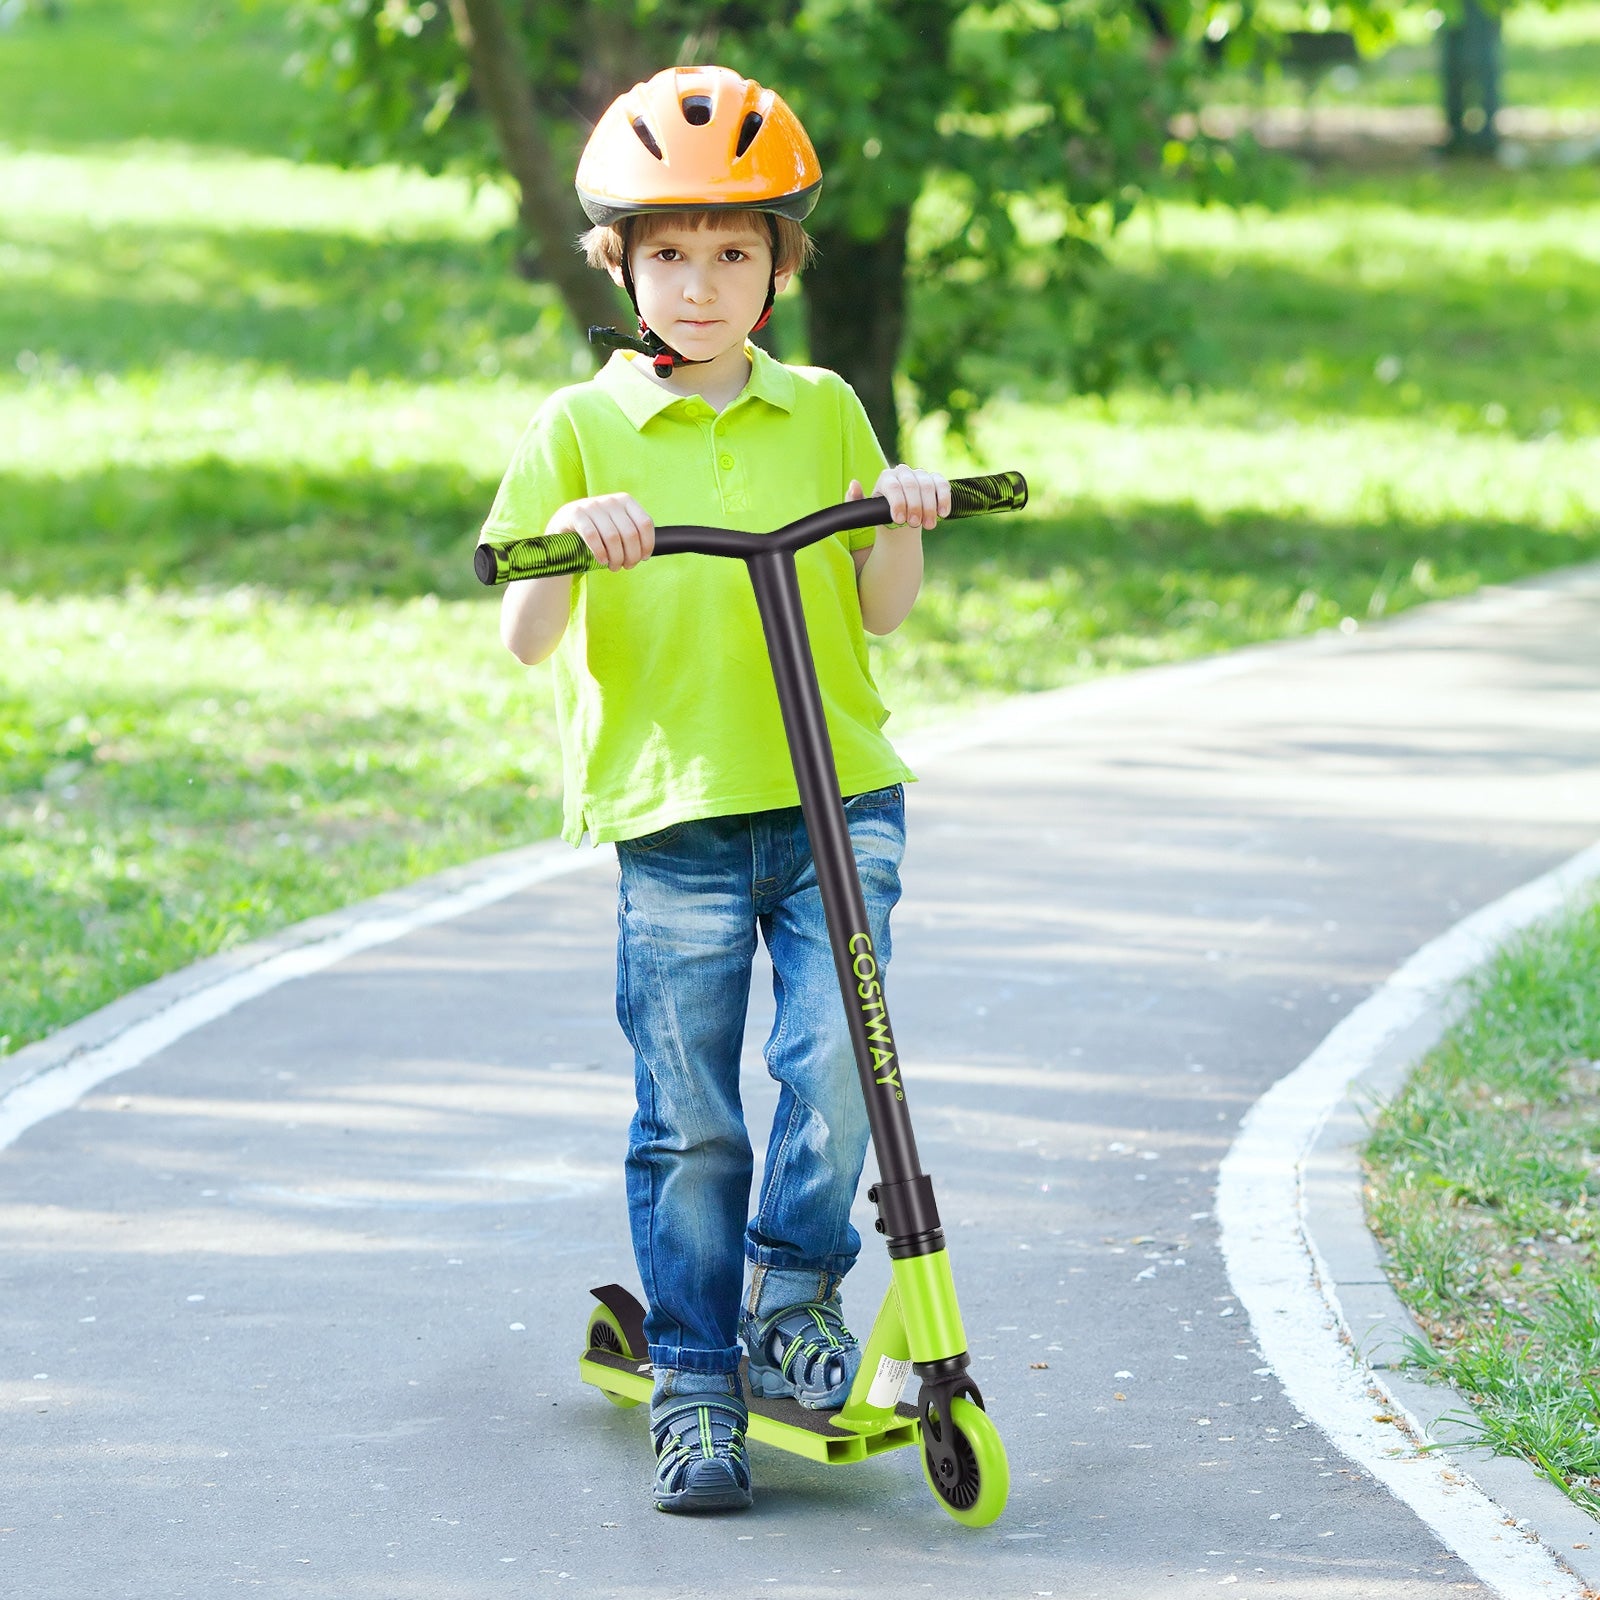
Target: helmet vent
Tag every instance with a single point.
(646, 138)
(697, 109)
(748, 130)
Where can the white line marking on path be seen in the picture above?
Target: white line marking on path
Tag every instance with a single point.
(61, 1087)
(1273, 1269)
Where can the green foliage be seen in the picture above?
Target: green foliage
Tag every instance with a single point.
(1486, 1191)
(1050, 126)
(401, 89)
(872, 80)
(1025, 133)
(397, 80)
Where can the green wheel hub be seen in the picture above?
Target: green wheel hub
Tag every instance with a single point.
(605, 1333)
(977, 1495)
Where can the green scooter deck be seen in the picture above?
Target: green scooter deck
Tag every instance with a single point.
(782, 1423)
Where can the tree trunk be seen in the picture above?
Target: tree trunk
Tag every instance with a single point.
(1470, 68)
(856, 315)
(617, 52)
(546, 207)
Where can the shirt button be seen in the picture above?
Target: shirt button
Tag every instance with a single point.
(724, 460)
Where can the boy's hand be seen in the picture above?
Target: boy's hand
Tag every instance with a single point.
(616, 528)
(915, 498)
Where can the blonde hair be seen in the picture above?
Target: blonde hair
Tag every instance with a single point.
(603, 246)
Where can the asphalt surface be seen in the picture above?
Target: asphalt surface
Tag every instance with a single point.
(296, 1305)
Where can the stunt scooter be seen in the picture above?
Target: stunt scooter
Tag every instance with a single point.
(918, 1328)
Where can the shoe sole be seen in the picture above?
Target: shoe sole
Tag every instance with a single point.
(724, 1500)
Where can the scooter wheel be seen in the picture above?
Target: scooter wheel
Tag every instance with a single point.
(978, 1493)
(605, 1333)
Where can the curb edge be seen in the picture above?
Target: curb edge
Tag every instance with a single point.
(1349, 1262)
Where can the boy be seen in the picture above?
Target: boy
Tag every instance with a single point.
(673, 745)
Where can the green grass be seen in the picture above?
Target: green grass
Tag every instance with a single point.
(1551, 59)
(203, 72)
(181, 772)
(251, 412)
(1462, 299)
(1485, 1187)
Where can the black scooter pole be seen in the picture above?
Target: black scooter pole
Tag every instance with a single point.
(777, 591)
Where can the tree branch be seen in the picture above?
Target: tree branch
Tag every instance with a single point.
(546, 207)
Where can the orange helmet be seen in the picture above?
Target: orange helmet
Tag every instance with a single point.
(697, 139)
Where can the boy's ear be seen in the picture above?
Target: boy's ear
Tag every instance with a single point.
(780, 280)
(616, 276)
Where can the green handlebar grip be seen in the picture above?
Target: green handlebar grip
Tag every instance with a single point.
(977, 497)
(545, 557)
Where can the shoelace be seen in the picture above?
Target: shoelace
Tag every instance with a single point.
(700, 1429)
(813, 1335)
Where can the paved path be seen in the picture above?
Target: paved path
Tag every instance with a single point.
(295, 1306)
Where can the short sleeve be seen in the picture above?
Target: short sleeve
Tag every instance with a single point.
(864, 459)
(546, 472)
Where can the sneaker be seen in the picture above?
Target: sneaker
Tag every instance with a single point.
(805, 1351)
(700, 1454)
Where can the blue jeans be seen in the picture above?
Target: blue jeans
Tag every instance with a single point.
(691, 901)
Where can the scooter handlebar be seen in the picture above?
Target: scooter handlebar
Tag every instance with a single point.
(551, 555)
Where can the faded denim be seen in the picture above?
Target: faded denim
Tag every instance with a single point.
(692, 900)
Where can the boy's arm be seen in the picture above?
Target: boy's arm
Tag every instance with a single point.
(533, 617)
(889, 571)
(534, 611)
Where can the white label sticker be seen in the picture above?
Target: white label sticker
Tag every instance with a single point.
(888, 1382)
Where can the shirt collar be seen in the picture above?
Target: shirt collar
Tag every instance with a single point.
(639, 398)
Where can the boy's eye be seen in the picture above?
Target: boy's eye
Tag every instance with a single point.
(732, 253)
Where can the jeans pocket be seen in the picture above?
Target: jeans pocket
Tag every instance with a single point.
(876, 799)
(652, 841)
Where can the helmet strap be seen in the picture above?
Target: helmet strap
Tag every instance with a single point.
(772, 273)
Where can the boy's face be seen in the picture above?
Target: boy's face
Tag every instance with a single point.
(702, 288)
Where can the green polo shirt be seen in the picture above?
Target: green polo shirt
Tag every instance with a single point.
(664, 695)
